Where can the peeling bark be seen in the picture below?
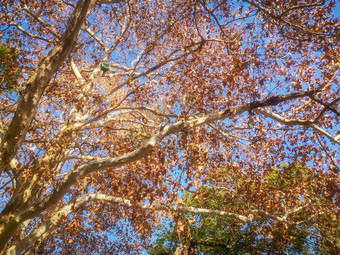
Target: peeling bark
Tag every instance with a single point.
(26, 109)
(38, 82)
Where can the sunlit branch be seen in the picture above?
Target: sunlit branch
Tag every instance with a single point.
(159, 65)
(37, 83)
(68, 157)
(29, 34)
(121, 110)
(44, 24)
(325, 133)
(43, 231)
(174, 208)
(309, 218)
(100, 2)
(102, 119)
(327, 153)
(105, 121)
(149, 71)
(100, 42)
(148, 146)
(124, 28)
(228, 135)
(285, 217)
(296, 122)
(121, 67)
(76, 115)
(153, 111)
(142, 123)
(76, 71)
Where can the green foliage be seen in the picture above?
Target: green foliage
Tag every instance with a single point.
(286, 176)
(165, 244)
(9, 69)
(209, 236)
(215, 235)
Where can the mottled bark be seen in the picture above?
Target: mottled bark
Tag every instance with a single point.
(10, 218)
(38, 82)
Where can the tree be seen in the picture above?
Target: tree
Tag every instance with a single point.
(92, 160)
(214, 235)
(9, 68)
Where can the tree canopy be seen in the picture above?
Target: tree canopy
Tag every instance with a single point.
(123, 106)
(209, 234)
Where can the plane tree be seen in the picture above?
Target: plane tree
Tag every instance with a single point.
(123, 105)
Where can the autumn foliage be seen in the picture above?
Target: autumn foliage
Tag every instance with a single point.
(128, 113)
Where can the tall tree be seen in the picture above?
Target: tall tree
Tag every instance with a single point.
(125, 104)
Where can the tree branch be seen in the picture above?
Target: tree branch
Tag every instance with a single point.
(100, 42)
(44, 230)
(43, 23)
(295, 122)
(328, 106)
(288, 23)
(101, 2)
(29, 34)
(103, 163)
(37, 83)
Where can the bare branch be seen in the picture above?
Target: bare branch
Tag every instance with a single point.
(227, 135)
(287, 214)
(80, 157)
(110, 114)
(44, 230)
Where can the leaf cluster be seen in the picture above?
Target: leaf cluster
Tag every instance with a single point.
(9, 68)
(215, 235)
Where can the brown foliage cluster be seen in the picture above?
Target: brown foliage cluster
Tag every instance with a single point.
(102, 157)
